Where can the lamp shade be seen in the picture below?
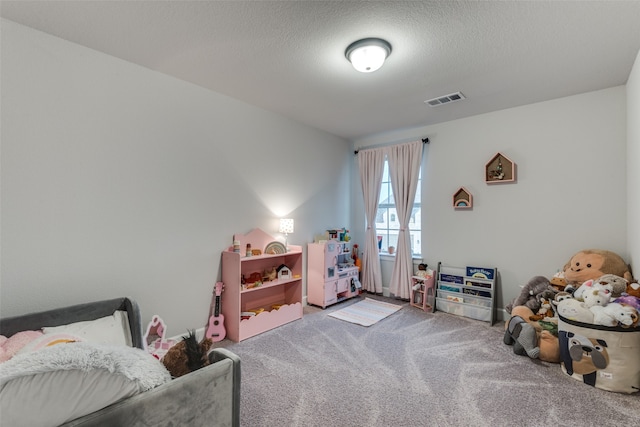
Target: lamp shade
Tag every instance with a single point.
(368, 55)
(286, 225)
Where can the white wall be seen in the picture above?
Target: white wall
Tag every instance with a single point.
(570, 192)
(120, 181)
(633, 166)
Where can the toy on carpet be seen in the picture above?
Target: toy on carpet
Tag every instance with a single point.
(594, 263)
(607, 275)
(529, 295)
(589, 264)
(522, 336)
(546, 335)
(187, 356)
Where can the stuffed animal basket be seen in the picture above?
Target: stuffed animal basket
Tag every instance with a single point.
(604, 357)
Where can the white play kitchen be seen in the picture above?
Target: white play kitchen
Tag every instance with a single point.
(332, 275)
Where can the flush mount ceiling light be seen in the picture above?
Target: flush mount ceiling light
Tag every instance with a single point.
(367, 55)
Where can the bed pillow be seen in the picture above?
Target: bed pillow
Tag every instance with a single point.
(68, 381)
(112, 329)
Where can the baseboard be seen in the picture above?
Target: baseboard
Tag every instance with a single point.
(501, 315)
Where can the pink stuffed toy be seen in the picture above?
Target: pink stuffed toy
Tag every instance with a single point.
(10, 346)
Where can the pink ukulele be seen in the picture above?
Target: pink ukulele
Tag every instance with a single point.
(216, 331)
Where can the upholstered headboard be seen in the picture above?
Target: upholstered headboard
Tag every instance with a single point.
(77, 313)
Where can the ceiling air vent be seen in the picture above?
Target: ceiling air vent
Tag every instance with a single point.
(441, 100)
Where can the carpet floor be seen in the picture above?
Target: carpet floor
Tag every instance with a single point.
(410, 369)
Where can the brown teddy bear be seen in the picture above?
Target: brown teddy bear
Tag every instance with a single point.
(187, 356)
(590, 264)
(558, 282)
(633, 289)
(545, 310)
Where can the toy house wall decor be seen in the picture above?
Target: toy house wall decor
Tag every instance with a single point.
(462, 199)
(499, 169)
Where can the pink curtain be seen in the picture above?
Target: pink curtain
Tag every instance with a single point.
(404, 168)
(371, 164)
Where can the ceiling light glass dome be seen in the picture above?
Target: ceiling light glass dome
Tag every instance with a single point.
(368, 55)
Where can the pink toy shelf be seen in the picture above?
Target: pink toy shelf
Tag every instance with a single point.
(254, 301)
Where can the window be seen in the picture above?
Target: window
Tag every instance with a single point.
(387, 224)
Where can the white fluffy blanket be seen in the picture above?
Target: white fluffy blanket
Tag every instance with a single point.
(135, 364)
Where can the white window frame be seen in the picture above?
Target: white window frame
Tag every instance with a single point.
(386, 211)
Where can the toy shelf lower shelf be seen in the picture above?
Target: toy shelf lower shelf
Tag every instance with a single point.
(269, 319)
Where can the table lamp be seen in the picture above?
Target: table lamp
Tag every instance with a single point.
(286, 227)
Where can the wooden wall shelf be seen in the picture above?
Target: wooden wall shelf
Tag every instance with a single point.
(499, 169)
(462, 199)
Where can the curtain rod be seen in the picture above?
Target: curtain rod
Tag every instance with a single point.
(424, 141)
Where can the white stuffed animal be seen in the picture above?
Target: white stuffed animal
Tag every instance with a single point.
(626, 314)
(599, 297)
(591, 285)
(601, 316)
(573, 309)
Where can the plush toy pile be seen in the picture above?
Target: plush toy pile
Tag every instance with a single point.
(187, 356)
(606, 301)
(595, 286)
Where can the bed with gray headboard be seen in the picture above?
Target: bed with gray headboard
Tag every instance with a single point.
(93, 396)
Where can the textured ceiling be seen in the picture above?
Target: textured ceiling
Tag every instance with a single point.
(288, 56)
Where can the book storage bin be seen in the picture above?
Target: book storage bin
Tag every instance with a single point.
(467, 291)
(601, 356)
